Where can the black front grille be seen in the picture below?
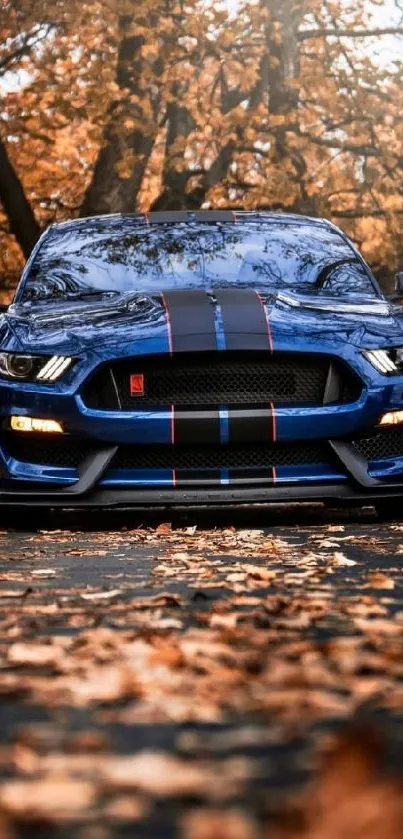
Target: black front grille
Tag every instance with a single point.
(221, 457)
(52, 451)
(250, 379)
(386, 443)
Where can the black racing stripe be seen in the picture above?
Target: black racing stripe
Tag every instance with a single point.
(244, 322)
(250, 426)
(192, 427)
(191, 320)
(214, 215)
(167, 217)
(251, 476)
(202, 477)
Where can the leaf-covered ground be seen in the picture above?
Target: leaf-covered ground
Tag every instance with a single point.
(200, 681)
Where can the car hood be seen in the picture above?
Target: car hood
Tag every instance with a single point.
(125, 325)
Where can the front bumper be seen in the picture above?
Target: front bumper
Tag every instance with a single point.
(95, 480)
(357, 485)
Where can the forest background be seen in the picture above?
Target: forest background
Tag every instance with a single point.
(127, 105)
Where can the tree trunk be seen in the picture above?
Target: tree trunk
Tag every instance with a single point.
(17, 208)
(275, 87)
(175, 177)
(130, 132)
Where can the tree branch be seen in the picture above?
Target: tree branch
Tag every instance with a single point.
(17, 208)
(306, 34)
(352, 214)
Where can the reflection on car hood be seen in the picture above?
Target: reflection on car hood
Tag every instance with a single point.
(368, 306)
(132, 323)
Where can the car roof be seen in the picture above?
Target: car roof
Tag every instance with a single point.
(208, 216)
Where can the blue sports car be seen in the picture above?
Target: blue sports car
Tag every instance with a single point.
(200, 358)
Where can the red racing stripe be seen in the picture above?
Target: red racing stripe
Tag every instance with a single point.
(273, 433)
(269, 335)
(273, 423)
(169, 327)
(173, 424)
(173, 441)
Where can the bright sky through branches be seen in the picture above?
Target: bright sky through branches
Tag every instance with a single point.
(386, 49)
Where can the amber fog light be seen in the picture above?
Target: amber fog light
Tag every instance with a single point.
(392, 418)
(39, 425)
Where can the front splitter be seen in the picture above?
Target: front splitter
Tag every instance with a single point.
(342, 493)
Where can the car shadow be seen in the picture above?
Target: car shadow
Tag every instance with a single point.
(256, 516)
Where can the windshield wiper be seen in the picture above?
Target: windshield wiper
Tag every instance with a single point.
(325, 273)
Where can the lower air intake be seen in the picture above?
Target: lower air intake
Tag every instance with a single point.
(221, 457)
(384, 444)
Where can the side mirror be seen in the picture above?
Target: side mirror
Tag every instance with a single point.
(399, 282)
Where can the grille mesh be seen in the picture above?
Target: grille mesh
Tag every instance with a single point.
(70, 453)
(225, 457)
(55, 451)
(219, 379)
(387, 443)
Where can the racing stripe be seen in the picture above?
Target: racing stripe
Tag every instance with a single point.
(267, 319)
(190, 320)
(199, 477)
(192, 427)
(250, 426)
(244, 319)
(219, 327)
(251, 476)
(167, 217)
(214, 215)
(273, 433)
(224, 425)
(169, 327)
(257, 426)
(172, 424)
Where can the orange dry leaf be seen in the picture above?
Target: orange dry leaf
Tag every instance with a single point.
(351, 797)
(211, 823)
(377, 579)
(48, 798)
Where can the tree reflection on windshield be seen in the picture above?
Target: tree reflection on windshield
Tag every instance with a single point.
(122, 254)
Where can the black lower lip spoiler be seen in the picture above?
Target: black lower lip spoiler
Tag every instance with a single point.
(140, 499)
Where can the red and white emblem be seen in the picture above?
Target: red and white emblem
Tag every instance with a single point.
(137, 384)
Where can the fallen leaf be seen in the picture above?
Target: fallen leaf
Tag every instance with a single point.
(156, 773)
(259, 572)
(50, 798)
(376, 579)
(208, 823)
(36, 655)
(339, 560)
(226, 621)
(101, 595)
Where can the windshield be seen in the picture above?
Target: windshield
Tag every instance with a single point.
(121, 255)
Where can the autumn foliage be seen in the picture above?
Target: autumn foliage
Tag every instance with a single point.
(116, 105)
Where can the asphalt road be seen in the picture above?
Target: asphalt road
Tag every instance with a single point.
(184, 678)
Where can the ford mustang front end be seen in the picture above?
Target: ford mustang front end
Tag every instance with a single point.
(195, 358)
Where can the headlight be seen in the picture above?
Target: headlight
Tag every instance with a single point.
(389, 362)
(32, 368)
